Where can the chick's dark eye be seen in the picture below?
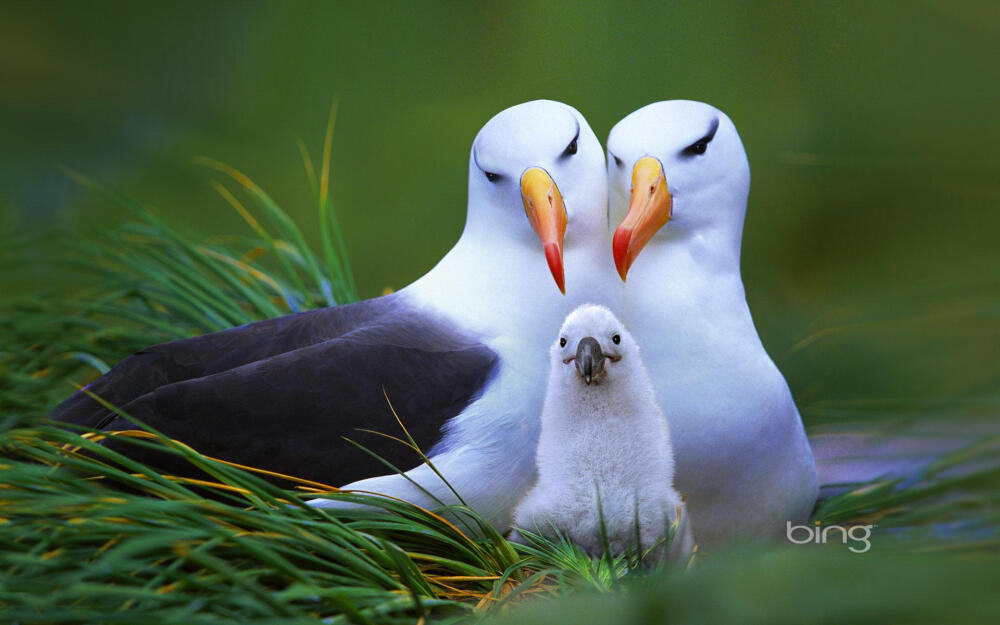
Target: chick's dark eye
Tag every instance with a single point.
(571, 148)
(616, 339)
(619, 162)
(562, 341)
(491, 176)
(698, 147)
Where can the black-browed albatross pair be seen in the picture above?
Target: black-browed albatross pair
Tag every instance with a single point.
(462, 352)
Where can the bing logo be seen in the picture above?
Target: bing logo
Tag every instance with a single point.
(803, 534)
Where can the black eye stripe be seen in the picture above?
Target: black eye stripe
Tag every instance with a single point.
(701, 145)
(573, 146)
(698, 147)
(491, 176)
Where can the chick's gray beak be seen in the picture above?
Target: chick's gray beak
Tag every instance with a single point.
(589, 358)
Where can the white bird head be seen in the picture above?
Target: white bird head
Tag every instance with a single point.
(678, 161)
(541, 155)
(593, 347)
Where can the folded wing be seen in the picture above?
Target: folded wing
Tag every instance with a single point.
(283, 394)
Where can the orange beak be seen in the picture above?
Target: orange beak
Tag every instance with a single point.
(544, 206)
(648, 211)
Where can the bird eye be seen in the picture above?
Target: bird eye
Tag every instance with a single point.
(562, 341)
(491, 176)
(571, 148)
(618, 161)
(698, 147)
(616, 339)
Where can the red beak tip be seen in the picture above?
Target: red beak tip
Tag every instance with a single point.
(619, 247)
(553, 256)
(560, 281)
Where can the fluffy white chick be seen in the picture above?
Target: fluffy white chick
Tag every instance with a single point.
(604, 446)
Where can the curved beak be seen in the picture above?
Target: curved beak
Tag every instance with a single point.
(648, 211)
(545, 209)
(589, 359)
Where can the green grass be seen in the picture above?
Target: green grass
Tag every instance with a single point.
(88, 535)
(75, 547)
(147, 282)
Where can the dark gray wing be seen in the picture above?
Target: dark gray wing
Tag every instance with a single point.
(199, 356)
(281, 394)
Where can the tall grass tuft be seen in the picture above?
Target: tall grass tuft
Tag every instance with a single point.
(88, 533)
(147, 282)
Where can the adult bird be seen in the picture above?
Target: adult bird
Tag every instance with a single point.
(678, 182)
(461, 353)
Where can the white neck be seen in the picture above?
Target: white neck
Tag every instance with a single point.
(685, 287)
(502, 290)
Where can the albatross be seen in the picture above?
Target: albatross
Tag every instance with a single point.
(461, 354)
(678, 184)
(605, 463)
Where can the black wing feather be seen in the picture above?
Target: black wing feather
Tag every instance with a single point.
(281, 394)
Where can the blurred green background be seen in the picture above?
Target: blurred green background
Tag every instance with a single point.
(871, 246)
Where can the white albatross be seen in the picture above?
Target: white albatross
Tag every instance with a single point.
(743, 460)
(460, 353)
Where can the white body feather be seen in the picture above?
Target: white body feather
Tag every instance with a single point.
(604, 446)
